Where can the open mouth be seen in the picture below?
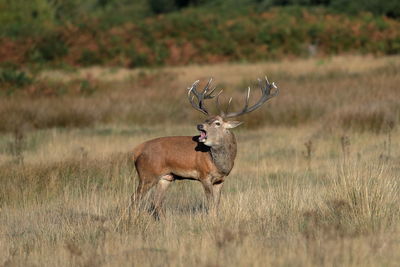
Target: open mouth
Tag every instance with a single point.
(203, 136)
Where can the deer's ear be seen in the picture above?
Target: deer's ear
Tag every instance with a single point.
(232, 124)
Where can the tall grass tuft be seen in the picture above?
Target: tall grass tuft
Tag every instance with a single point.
(368, 197)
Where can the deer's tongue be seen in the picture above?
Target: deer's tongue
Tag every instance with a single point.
(203, 136)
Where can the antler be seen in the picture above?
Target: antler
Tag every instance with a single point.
(206, 94)
(266, 95)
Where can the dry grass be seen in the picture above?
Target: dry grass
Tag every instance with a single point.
(303, 195)
(275, 211)
(223, 72)
(348, 93)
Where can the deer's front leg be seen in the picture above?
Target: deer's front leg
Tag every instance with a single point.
(213, 193)
(217, 193)
(208, 190)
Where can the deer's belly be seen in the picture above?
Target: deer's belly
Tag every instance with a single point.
(191, 174)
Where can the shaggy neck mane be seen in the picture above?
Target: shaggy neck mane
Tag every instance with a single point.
(224, 155)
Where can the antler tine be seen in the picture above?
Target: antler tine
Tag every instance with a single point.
(196, 94)
(229, 105)
(247, 98)
(205, 94)
(210, 94)
(266, 95)
(221, 111)
(268, 87)
(206, 88)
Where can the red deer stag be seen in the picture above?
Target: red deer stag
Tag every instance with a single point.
(208, 157)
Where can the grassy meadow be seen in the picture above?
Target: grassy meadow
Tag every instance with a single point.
(315, 183)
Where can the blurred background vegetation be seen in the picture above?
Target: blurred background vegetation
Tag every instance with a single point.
(174, 32)
(70, 35)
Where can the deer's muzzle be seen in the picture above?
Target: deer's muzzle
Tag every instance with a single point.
(203, 133)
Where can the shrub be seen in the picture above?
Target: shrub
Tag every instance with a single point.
(11, 78)
(49, 48)
(137, 59)
(231, 36)
(89, 57)
(162, 6)
(21, 18)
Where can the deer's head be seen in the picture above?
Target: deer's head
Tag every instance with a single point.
(215, 129)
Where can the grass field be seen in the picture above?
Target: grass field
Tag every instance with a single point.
(316, 180)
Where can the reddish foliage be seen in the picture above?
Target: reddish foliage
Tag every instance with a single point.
(199, 38)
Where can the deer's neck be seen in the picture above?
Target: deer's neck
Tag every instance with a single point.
(225, 154)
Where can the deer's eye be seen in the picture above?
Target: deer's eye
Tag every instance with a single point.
(217, 123)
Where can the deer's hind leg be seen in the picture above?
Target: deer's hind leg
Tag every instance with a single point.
(136, 198)
(150, 174)
(141, 190)
(147, 179)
